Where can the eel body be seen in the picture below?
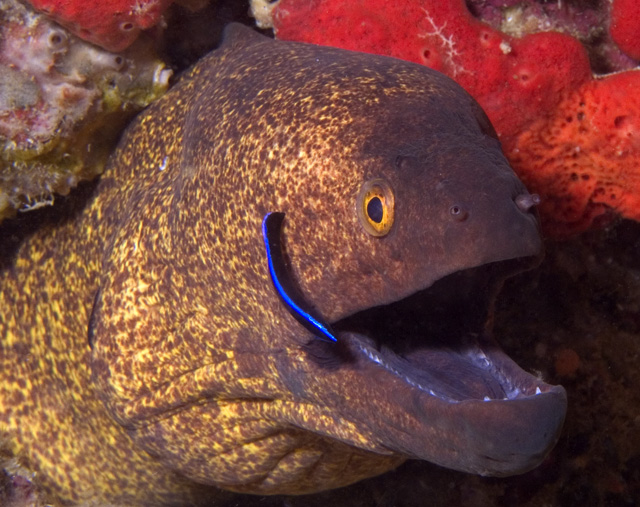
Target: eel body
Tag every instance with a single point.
(145, 356)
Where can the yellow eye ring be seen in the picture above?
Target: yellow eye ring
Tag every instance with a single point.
(376, 207)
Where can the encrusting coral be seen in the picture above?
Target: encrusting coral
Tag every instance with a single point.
(63, 102)
(571, 136)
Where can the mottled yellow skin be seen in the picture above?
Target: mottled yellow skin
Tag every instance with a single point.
(50, 413)
(144, 351)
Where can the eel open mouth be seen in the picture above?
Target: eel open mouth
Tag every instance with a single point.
(424, 374)
(438, 339)
(463, 402)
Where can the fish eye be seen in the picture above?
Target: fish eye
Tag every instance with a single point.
(376, 207)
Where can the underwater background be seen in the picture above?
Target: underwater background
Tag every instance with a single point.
(574, 321)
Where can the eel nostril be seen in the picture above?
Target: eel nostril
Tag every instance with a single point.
(527, 201)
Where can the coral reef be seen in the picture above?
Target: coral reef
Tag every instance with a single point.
(262, 11)
(586, 20)
(17, 488)
(625, 26)
(584, 157)
(572, 137)
(112, 25)
(63, 102)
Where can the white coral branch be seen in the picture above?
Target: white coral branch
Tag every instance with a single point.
(447, 43)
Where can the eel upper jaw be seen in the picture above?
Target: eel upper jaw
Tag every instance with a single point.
(445, 390)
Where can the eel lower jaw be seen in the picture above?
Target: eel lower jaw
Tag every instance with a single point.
(450, 394)
(494, 420)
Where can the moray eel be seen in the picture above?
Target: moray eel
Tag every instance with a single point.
(146, 357)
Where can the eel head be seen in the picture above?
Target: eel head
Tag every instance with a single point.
(402, 218)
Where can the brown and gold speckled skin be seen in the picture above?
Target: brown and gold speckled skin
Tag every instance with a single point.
(196, 372)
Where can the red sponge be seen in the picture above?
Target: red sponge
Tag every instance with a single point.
(112, 24)
(572, 138)
(625, 26)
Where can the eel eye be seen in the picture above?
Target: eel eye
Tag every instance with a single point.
(376, 207)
